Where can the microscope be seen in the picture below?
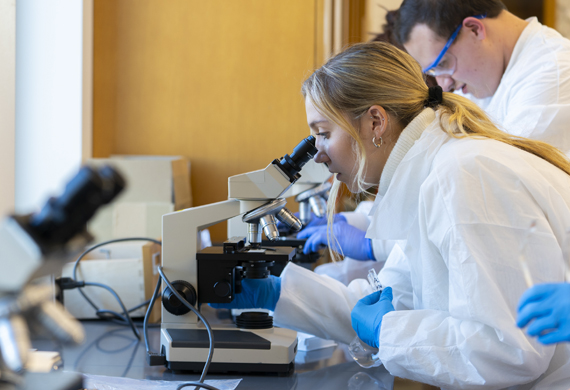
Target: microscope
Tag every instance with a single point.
(311, 193)
(214, 274)
(36, 245)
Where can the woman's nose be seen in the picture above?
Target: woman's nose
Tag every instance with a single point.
(320, 157)
(445, 82)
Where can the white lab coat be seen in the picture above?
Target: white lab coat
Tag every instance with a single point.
(464, 206)
(533, 97)
(532, 101)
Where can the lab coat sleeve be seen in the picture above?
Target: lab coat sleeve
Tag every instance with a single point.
(476, 343)
(382, 248)
(317, 304)
(467, 250)
(396, 274)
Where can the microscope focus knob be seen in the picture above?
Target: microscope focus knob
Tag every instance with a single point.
(222, 289)
(172, 304)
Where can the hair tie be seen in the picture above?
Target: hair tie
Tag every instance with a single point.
(435, 96)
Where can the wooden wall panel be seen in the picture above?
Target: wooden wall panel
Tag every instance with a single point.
(217, 81)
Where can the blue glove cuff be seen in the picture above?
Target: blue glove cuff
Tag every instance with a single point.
(370, 250)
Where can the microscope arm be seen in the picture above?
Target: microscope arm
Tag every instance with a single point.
(180, 244)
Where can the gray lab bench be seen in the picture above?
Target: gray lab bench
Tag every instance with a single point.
(112, 350)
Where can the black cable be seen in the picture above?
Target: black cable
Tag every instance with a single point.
(116, 318)
(126, 320)
(128, 317)
(200, 383)
(147, 315)
(96, 343)
(139, 305)
(204, 385)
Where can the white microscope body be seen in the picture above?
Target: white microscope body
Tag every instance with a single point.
(255, 195)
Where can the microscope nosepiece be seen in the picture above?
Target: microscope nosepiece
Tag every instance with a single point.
(289, 219)
(318, 205)
(269, 226)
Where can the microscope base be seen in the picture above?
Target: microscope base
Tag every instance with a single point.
(229, 368)
(235, 350)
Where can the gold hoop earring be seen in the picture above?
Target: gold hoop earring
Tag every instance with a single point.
(374, 142)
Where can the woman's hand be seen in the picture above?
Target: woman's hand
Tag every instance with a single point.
(255, 294)
(352, 241)
(368, 313)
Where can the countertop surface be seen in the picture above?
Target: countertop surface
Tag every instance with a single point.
(113, 350)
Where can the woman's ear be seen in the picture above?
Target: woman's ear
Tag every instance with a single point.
(378, 119)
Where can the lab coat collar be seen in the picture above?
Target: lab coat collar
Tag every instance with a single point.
(528, 33)
(396, 210)
(409, 136)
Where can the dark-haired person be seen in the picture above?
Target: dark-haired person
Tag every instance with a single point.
(388, 35)
(517, 70)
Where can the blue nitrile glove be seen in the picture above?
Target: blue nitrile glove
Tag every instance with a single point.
(255, 294)
(352, 240)
(549, 306)
(367, 315)
(315, 221)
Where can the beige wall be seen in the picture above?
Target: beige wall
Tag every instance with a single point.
(563, 17)
(216, 81)
(376, 14)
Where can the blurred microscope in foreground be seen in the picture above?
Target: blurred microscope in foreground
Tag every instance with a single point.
(214, 275)
(36, 245)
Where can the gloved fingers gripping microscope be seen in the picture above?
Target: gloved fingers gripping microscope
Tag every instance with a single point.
(214, 275)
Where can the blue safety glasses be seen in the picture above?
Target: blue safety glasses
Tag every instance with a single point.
(446, 66)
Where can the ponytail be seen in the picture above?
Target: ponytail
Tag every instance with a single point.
(462, 118)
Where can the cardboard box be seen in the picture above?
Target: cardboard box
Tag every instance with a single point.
(130, 268)
(156, 185)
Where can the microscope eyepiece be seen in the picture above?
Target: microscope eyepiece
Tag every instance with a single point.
(63, 217)
(302, 153)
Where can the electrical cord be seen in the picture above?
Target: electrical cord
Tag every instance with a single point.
(124, 319)
(69, 284)
(116, 318)
(128, 317)
(200, 383)
(74, 283)
(97, 345)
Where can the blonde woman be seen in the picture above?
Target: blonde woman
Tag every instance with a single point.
(463, 195)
